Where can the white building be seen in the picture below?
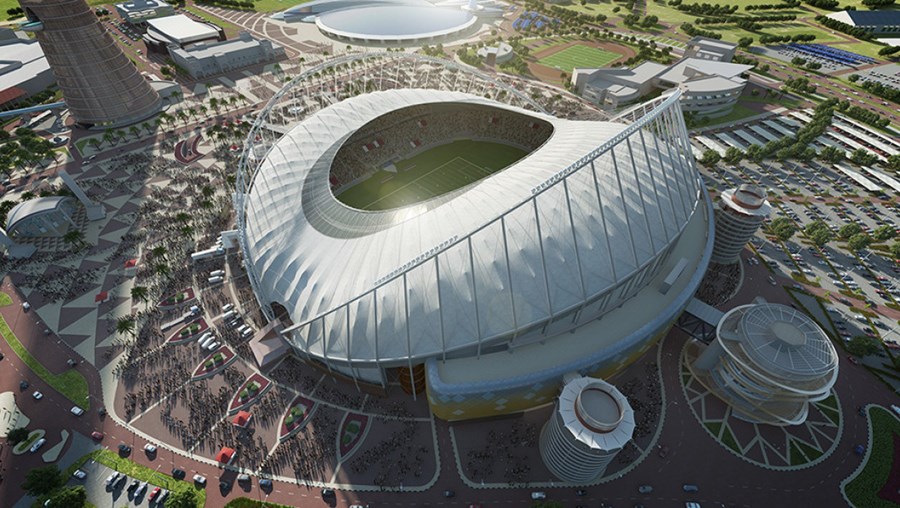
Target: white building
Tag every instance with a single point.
(739, 215)
(495, 55)
(709, 83)
(47, 216)
(768, 363)
(24, 70)
(592, 422)
(209, 58)
(179, 30)
(137, 11)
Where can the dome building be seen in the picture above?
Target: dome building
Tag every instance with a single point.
(591, 423)
(768, 362)
(576, 256)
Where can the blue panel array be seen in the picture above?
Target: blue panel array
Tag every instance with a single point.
(830, 53)
(529, 18)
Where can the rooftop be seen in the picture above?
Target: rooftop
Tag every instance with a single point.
(21, 61)
(868, 18)
(182, 28)
(688, 68)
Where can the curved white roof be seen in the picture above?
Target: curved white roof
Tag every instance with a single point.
(620, 433)
(576, 239)
(394, 22)
(31, 208)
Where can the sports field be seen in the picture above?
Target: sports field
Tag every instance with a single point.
(431, 173)
(579, 56)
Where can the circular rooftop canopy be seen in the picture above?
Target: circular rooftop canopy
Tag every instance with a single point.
(514, 248)
(786, 342)
(394, 23)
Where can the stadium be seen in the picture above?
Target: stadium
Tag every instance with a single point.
(437, 227)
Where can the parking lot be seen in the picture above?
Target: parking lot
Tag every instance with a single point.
(808, 192)
(102, 496)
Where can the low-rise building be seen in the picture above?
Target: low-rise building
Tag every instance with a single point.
(495, 55)
(207, 59)
(41, 217)
(24, 70)
(180, 31)
(138, 11)
(710, 84)
(875, 22)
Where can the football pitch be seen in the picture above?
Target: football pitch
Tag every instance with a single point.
(579, 56)
(431, 173)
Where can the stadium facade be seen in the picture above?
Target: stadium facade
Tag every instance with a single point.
(576, 258)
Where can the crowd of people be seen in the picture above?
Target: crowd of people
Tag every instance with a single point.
(719, 284)
(509, 448)
(395, 458)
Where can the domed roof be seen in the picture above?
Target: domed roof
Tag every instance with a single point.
(494, 258)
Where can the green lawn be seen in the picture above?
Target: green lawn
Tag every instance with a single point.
(275, 5)
(738, 113)
(231, 30)
(431, 173)
(580, 57)
(70, 383)
(863, 489)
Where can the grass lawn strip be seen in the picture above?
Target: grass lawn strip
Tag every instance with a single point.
(246, 502)
(145, 474)
(862, 489)
(5, 300)
(579, 57)
(70, 383)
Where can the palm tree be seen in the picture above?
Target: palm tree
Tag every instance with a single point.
(207, 191)
(159, 252)
(182, 115)
(109, 137)
(147, 127)
(140, 293)
(214, 103)
(95, 143)
(125, 325)
(161, 269)
(74, 237)
(134, 131)
(182, 217)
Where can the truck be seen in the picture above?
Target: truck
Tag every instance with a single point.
(215, 280)
(209, 253)
(217, 273)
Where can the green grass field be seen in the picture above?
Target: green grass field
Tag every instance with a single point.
(431, 173)
(863, 487)
(579, 56)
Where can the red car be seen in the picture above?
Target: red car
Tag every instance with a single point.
(154, 494)
(98, 436)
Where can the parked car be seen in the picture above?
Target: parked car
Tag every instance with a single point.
(265, 484)
(538, 495)
(689, 487)
(645, 489)
(134, 485)
(37, 395)
(199, 479)
(178, 474)
(113, 479)
(154, 494)
(77, 411)
(150, 448)
(97, 436)
(38, 444)
(81, 475)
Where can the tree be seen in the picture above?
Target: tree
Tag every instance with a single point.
(831, 154)
(186, 498)
(139, 293)
(159, 252)
(43, 480)
(893, 162)
(745, 42)
(863, 157)
(895, 250)
(74, 237)
(710, 158)
(733, 156)
(849, 230)
(72, 497)
(125, 325)
(782, 228)
(863, 345)
(884, 233)
(858, 242)
(818, 232)
(18, 435)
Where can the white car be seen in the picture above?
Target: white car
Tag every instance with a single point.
(199, 479)
(81, 475)
(37, 395)
(77, 411)
(538, 495)
(149, 448)
(38, 444)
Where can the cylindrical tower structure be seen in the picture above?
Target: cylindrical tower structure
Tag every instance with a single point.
(591, 424)
(100, 85)
(740, 212)
(768, 362)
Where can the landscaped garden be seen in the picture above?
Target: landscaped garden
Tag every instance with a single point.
(214, 363)
(178, 299)
(23, 446)
(351, 433)
(188, 332)
(876, 484)
(249, 392)
(295, 417)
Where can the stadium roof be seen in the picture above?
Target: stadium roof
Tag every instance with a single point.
(556, 245)
(689, 68)
(394, 22)
(182, 29)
